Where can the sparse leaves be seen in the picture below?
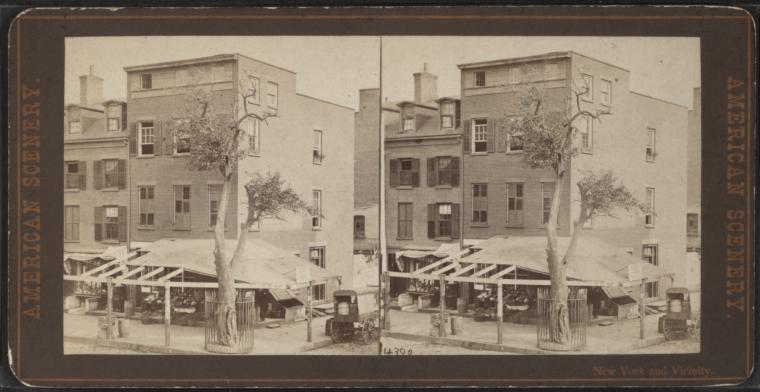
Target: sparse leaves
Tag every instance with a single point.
(269, 196)
(601, 194)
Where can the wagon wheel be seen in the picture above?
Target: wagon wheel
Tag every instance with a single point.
(670, 330)
(336, 335)
(365, 335)
(375, 332)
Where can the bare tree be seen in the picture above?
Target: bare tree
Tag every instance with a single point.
(548, 142)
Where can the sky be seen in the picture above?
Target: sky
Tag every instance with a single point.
(335, 68)
(663, 67)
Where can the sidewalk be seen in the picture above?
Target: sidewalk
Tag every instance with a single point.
(620, 338)
(287, 339)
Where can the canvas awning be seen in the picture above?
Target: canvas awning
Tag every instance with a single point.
(419, 252)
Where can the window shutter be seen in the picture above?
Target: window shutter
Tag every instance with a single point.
(158, 134)
(431, 220)
(502, 138)
(123, 117)
(98, 174)
(457, 111)
(122, 224)
(83, 175)
(467, 132)
(168, 139)
(98, 219)
(415, 172)
(455, 220)
(122, 171)
(431, 172)
(394, 173)
(132, 139)
(455, 171)
(491, 136)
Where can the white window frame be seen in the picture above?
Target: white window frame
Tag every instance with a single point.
(316, 219)
(651, 149)
(117, 121)
(178, 127)
(210, 188)
(256, 87)
(475, 79)
(78, 127)
(652, 287)
(180, 77)
(142, 137)
(408, 124)
(482, 199)
(509, 187)
(140, 205)
(273, 94)
(318, 291)
(71, 220)
(605, 83)
(513, 75)
(113, 175)
(587, 131)
(254, 136)
(509, 148)
(476, 138)
(316, 154)
(588, 81)
(447, 111)
(649, 216)
(217, 73)
(189, 206)
(543, 202)
(106, 222)
(146, 77)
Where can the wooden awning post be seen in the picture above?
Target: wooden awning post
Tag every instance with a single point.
(642, 309)
(499, 313)
(109, 308)
(442, 306)
(167, 315)
(386, 301)
(308, 311)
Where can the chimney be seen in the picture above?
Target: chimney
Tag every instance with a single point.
(425, 86)
(90, 89)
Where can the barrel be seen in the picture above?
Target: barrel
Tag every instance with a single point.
(457, 325)
(129, 308)
(105, 328)
(124, 328)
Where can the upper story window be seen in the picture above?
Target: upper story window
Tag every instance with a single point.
(110, 173)
(146, 81)
(217, 73)
(181, 138)
(651, 153)
(114, 118)
(146, 206)
(214, 199)
(443, 171)
(316, 205)
(649, 253)
(480, 135)
(147, 135)
(514, 204)
(588, 85)
(114, 124)
(605, 92)
(480, 79)
(515, 138)
(552, 71)
(547, 195)
(316, 149)
(272, 94)
(480, 203)
(407, 171)
(443, 220)
(358, 226)
(692, 224)
(650, 214)
(180, 77)
(75, 127)
(408, 124)
(182, 207)
(255, 90)
(447, 115)
(76, 175)
(514, 75)
(587, 134)
(253, 130)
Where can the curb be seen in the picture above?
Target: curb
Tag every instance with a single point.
(145, 348)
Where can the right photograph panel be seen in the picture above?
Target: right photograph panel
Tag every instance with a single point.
(541, 195)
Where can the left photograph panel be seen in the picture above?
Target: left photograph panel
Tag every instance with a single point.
(209, 196)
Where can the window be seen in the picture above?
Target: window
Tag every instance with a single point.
(650, 151)
(605, 92)
(446, 171)
(588, 84)
(480, 203)
(480, 79)
(515, 204)
(75, 175)
(146, 81)
(146, 137)
(649, 254)
(692, 224)
(146, 206)
(114, 125)
(75, 127)
(316, 205)
(71, 223)
(111, 223)
(480, 135)
(111, 173)
(587, 134)
(515, 137)
(217, 73)
(649, 215)
(254, 89)
(181, 206)
(514, 75)
(408, 124)
(447, 115)
(317, 257)
(405, 221)
(252, 128)
(181, 137)
(113, 117)
(547, 193)
(180, 77)
(214, 198)
(444, 220)
(406, 172)
(317, 148)
(358, 226)
(272, 94)
(552, 71)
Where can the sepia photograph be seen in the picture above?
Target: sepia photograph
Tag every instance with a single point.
(209, 196)
(541, 195)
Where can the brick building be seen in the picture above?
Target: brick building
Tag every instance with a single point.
(307, 143)
(95, 158)
(641, 142)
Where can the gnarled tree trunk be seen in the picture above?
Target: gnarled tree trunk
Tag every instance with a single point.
(559, 316)
(226, 316)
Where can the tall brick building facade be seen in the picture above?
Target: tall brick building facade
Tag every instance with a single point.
(308, 143)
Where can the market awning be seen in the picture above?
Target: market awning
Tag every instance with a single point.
(419, 252)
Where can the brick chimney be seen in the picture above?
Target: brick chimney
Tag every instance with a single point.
(90, 89)
(425, 86)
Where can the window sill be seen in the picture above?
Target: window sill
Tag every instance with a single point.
(443, 238)
(145, 156)
(508, 226)
(443, 186)
(110, 241)
(109, 189)
(181, 154)
(404, 187)
(71, 190)
(650, 161)
(316, 228)
(478, 224)
(317, 163)
(649, 226)
(146, 228)
(479, 153)
(254, 154)
(587, 152)
(514, 152)
(404, 238)
(182, 228)
(211, 229)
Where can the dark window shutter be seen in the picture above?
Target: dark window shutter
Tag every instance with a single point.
(431, 172)
(455, 216)
(457, 111)
(122, 170)
(123, 117)
(467, 132)
(491, 136)
(168, 138)
(132, 139)
(431, 220)
(122, 224)
(98, 219)
(415, 172)
(98, 174)
(454, 171)
(394, 173)
(158, 136)
(83, 175)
